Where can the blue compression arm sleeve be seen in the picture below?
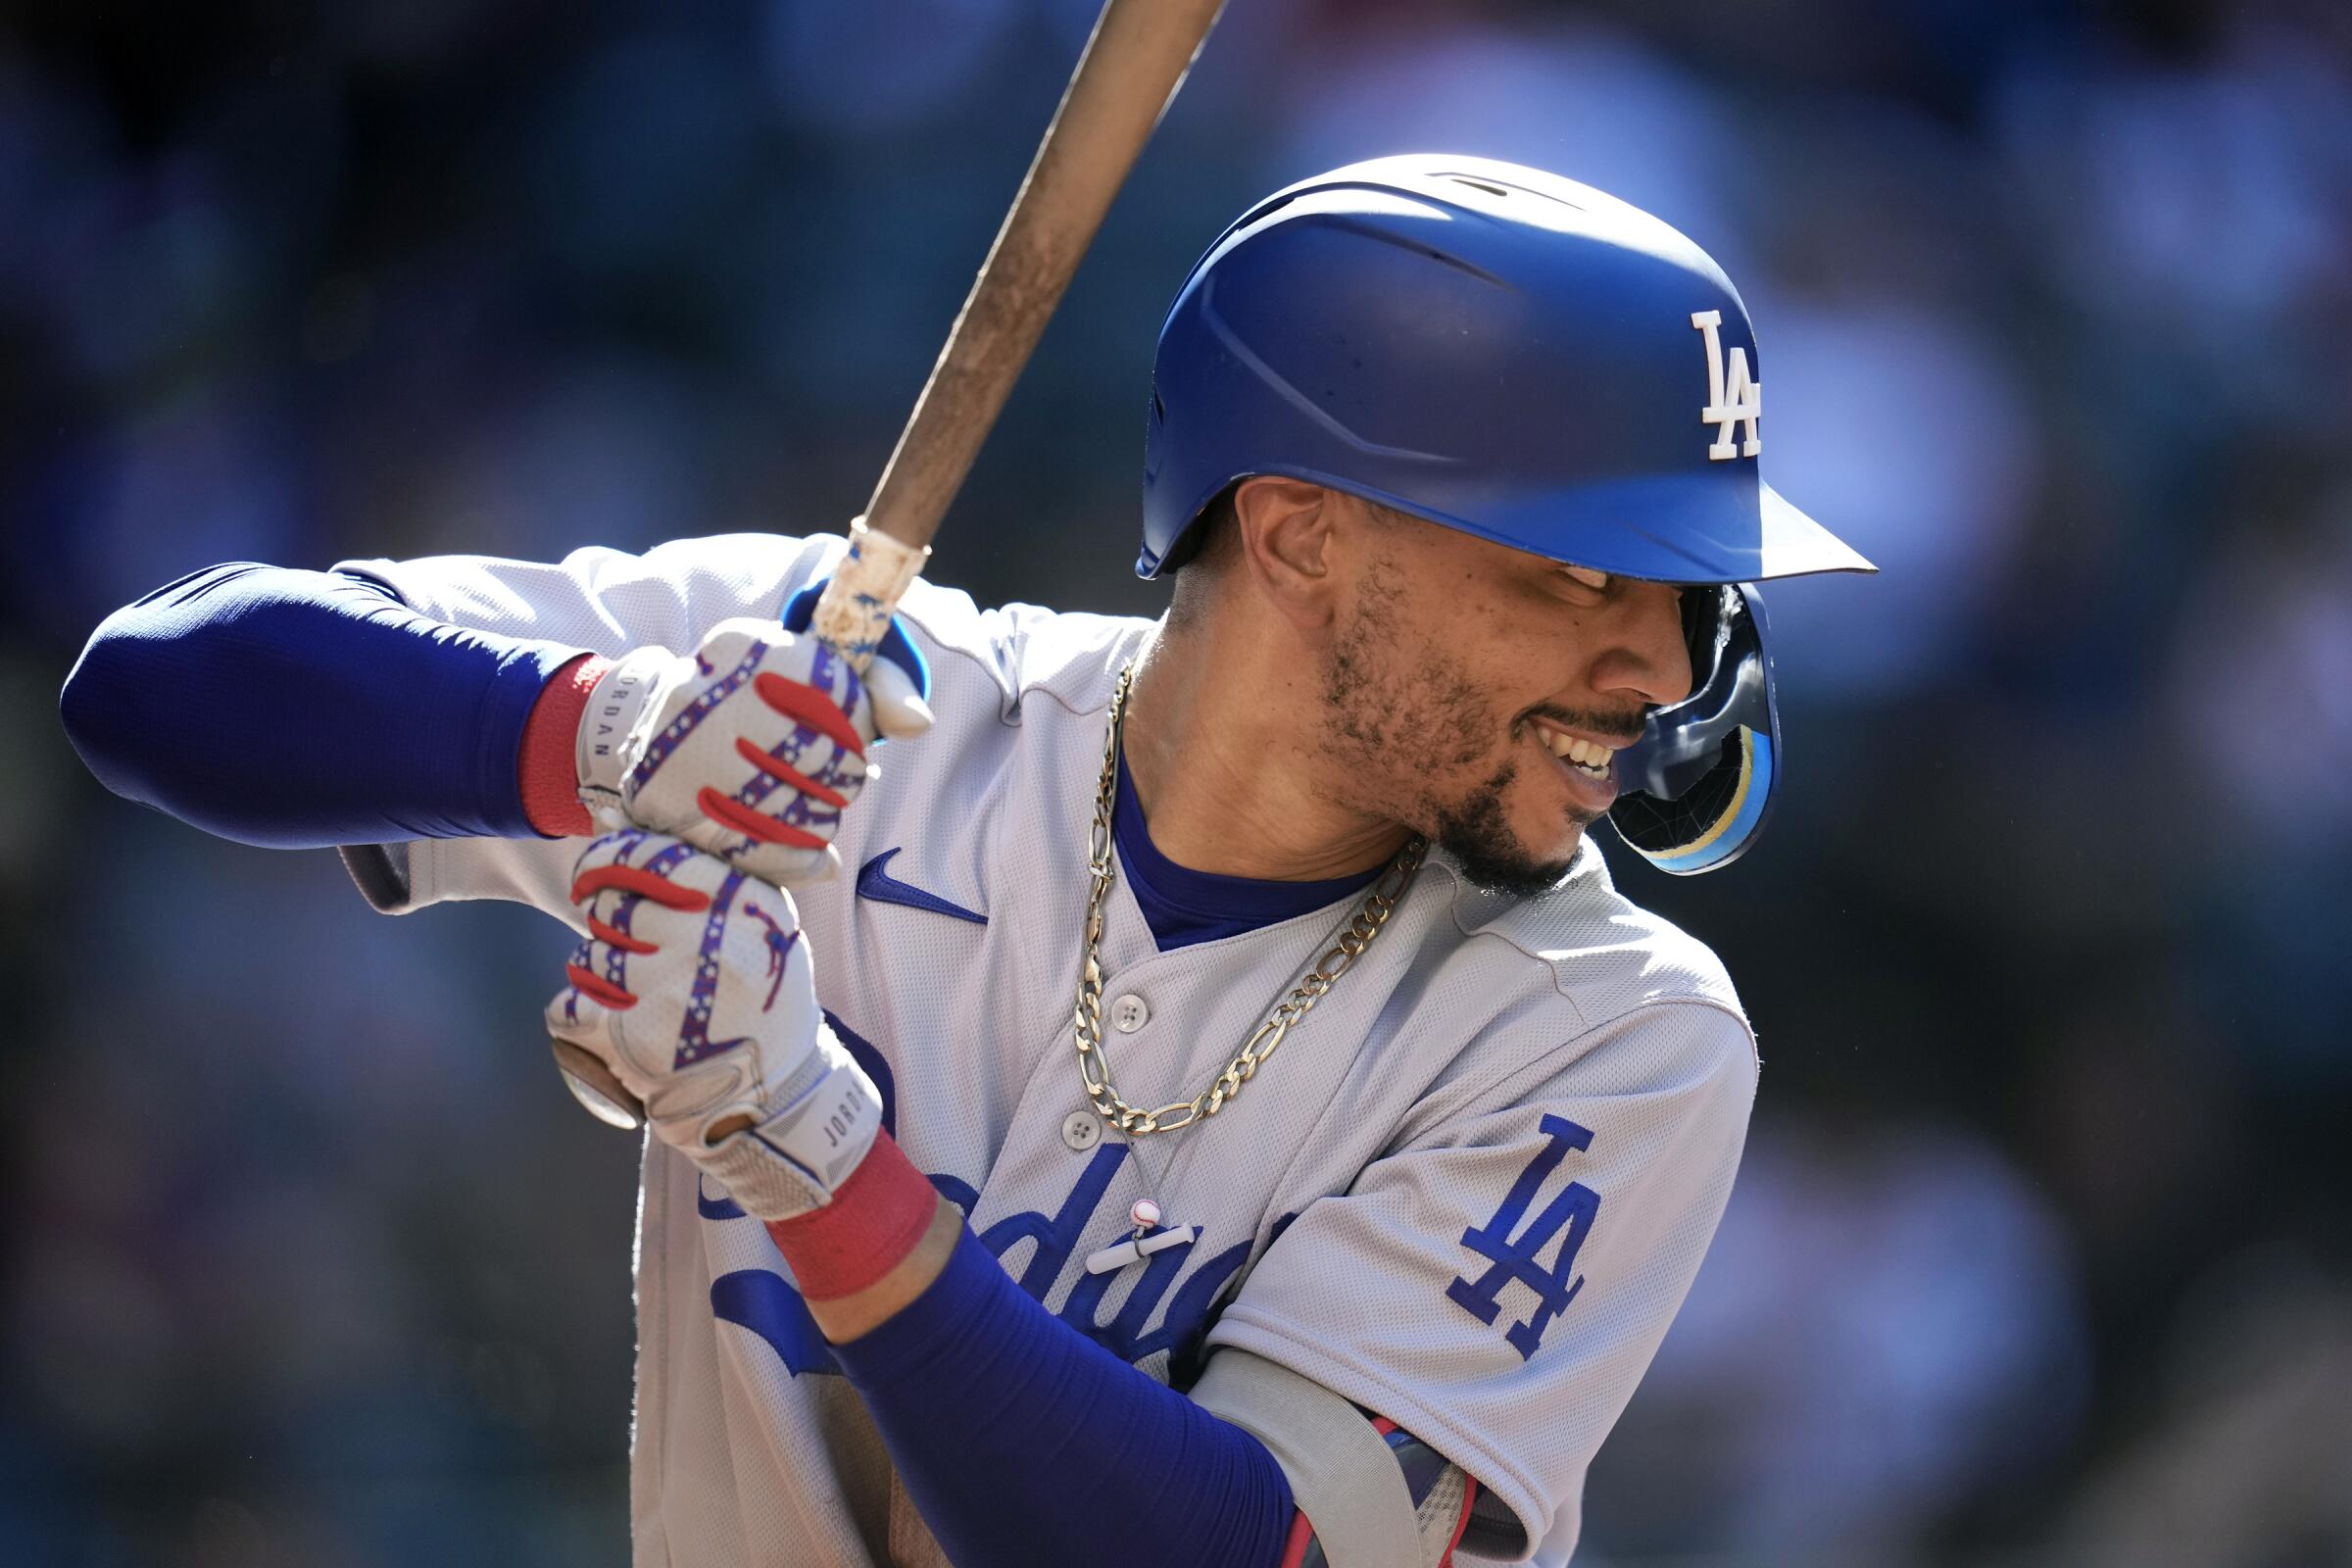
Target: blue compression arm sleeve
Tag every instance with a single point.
(300, 709)
(1023, 1442)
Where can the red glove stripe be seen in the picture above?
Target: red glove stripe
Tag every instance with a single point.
(547, 769)
(789, 775)
(619, 938)
(596, 987)
(809, 707)
(877, 1219)
(754, 824)
(635, 879)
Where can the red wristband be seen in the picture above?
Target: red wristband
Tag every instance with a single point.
(879, 1215)
(548, 767)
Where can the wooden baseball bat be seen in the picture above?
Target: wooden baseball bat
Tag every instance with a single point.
(1133, 62)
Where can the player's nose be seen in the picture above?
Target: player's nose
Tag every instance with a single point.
(1648, 657)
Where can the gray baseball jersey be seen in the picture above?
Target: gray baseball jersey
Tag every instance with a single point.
(1468, 1195)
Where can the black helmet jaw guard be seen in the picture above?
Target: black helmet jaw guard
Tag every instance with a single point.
(1697, 787)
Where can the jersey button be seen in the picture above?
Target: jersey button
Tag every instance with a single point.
(1082, 1130)
(1128, 1014)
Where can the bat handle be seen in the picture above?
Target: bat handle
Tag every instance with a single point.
(855, 609)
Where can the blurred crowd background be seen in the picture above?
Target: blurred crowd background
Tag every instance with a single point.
(2040, 1254)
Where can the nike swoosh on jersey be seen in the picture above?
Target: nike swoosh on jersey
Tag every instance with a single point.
(721, 1207)
(875, 882)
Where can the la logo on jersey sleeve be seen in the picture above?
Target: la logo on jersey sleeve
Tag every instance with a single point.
(1517, 1257)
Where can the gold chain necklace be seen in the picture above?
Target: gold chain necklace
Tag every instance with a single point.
(1347, 946)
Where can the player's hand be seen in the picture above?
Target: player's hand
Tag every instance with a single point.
(695, 993)
(750, 749)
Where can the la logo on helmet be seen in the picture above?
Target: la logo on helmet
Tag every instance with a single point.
(1734, 399)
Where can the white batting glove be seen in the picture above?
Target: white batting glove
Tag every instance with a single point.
(695, 991)
(750, 749)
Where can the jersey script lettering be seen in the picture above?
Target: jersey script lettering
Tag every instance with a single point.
(765, 1302)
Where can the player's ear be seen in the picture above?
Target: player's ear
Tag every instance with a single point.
(1285, 528)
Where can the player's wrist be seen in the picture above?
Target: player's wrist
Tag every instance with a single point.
(878, 1218)
(546, 769)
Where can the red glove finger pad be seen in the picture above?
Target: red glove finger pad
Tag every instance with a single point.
(812, 708)
(754, 824)
(876, 1218)
(635, 879)
(596, 987)
(614, 937)
(789, 775)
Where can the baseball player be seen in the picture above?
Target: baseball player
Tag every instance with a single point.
(1165, 1092)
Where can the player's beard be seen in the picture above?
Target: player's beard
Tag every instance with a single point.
(1476, 832)
(1404, 723)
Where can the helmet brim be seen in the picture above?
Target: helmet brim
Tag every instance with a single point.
(1793, 545)
(1662, 529)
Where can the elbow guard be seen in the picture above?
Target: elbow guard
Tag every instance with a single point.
(1442, 1494)
(1369, 1494)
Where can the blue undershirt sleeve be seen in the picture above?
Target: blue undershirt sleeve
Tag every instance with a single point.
(1023, 1442)
(301, 709)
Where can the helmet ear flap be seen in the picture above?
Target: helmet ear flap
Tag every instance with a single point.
(1698, 786)
(1217, 514)
(1714, 821)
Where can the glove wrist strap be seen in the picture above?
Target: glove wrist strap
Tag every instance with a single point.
(804, 1155)
(619, 699)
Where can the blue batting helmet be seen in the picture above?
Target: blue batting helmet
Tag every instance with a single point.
(1512, 353)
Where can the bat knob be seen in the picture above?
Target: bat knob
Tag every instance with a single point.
(593, 1085)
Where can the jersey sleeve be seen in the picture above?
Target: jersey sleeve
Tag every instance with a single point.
(1497, 1283)
(608, 601)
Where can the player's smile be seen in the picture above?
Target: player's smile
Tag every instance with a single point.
(1587, 764)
